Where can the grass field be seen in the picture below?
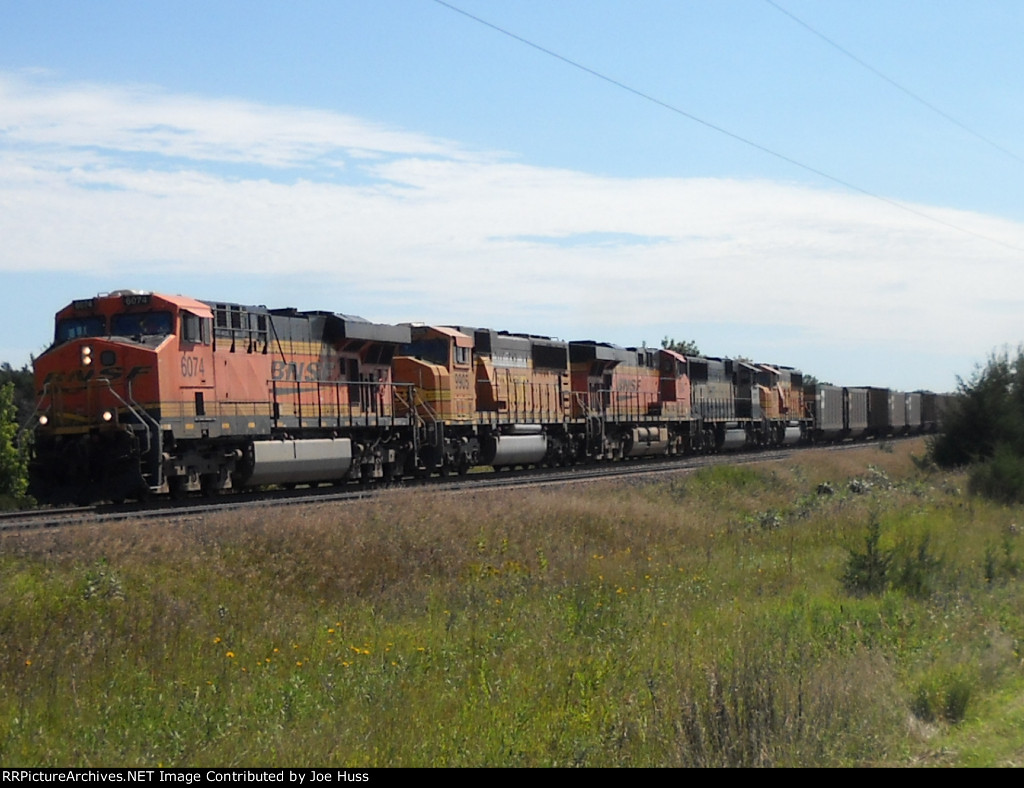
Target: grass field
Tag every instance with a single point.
(846, 608)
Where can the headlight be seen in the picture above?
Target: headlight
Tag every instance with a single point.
(108, 415)
(86, 356)
(44, 420)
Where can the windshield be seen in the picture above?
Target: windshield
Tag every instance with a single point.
(433, 350)
(141, 324)
(74, 327)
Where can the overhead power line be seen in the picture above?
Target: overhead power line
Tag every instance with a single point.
(894, 83)
(739, 138)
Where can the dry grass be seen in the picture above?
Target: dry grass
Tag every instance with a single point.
(693, 621)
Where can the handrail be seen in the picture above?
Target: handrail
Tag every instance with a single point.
(366, 403)
(141, 416)
(412, 403)
(35, 410)
(156, 440)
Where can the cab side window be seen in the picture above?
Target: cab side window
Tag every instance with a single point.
(195, 329)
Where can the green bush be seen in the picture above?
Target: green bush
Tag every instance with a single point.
(868, 572)
(910, 567)
(1000, 478)
(984, 427)
(917, 571)
(944, 696)
(13, 462)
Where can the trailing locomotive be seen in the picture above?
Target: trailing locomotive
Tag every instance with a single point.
(143, 393)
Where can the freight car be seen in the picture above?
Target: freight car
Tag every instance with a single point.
(840, 413)
(144, 393)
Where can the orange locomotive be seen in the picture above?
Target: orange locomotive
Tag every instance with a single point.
(486, 397)
(146, 393)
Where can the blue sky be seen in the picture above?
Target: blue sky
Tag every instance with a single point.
(767, 195)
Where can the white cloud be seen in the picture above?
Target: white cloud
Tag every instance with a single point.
(96, 178)
(147, 120)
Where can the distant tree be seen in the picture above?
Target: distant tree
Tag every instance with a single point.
(13, 460)
(686, 347)
(24, 389)
(988, 411)
(984, 427)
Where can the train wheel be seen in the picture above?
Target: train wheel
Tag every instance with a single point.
(208, 485)
(176, 487)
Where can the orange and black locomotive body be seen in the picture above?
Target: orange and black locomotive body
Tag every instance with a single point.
(146, 393)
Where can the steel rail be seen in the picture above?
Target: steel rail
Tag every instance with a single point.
(169, 509)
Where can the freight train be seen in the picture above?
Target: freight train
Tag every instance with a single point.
(143, 393)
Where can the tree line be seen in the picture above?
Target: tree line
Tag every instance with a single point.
(983, 428)
(17, 402)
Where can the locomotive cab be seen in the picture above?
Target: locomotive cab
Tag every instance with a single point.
(675, 384)
(439, 362)
(437, 365)
(98, 433)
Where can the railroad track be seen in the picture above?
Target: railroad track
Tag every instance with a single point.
(168, 509)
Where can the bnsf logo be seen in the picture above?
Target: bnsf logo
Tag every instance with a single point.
(313, 371)
(82, 376)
